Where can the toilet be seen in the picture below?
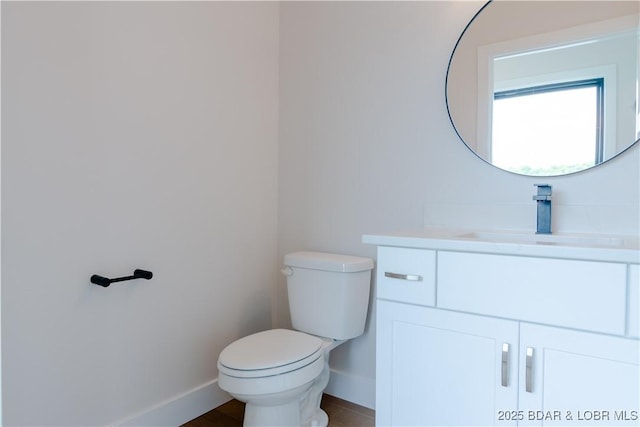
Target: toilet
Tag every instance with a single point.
(280, 374)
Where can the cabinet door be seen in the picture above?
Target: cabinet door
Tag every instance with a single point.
(579, 378)
(436, 367)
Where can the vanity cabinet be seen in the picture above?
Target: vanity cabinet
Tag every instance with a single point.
(495, 339)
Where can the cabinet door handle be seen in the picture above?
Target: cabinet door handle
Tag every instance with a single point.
(529, 371)
(505, 365)
(409, 277)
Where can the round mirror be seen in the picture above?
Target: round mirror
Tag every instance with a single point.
(546, 88)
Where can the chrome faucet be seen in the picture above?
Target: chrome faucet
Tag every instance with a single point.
(543, 199)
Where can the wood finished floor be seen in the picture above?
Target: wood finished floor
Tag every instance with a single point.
(341, 414)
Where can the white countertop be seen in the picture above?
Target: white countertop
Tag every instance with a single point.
(593, 247)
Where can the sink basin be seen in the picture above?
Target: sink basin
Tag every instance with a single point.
(545, 239)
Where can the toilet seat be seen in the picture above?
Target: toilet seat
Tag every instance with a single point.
(269, 353)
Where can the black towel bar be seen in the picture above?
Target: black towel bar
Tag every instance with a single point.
(137, 274)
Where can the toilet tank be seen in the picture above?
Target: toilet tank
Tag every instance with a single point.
(328, 293)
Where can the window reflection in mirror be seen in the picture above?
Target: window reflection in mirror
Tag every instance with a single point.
(567, 136)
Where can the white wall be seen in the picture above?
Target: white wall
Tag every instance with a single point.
(134, 135)
(366, 146)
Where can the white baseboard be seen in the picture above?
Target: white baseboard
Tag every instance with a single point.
(180, 409)
(355, 389)
(193, 403)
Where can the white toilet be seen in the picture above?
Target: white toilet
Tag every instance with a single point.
(281, 373)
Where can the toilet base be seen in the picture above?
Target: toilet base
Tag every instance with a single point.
(282, 415)
(299, 406)
(281, 409)
(321, 419)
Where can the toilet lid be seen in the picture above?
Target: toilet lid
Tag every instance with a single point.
(270, 349)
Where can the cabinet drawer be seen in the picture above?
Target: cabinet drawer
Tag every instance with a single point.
(578, 294)
(634, 301)
(406, 275)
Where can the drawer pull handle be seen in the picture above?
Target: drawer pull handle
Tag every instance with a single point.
(529, 371)
(505, 365)
(409, 277)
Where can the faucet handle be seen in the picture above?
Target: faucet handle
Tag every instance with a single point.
(543, 188)
(544, 192)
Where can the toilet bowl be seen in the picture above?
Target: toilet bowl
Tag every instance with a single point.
(271, 371)
(281, 374)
